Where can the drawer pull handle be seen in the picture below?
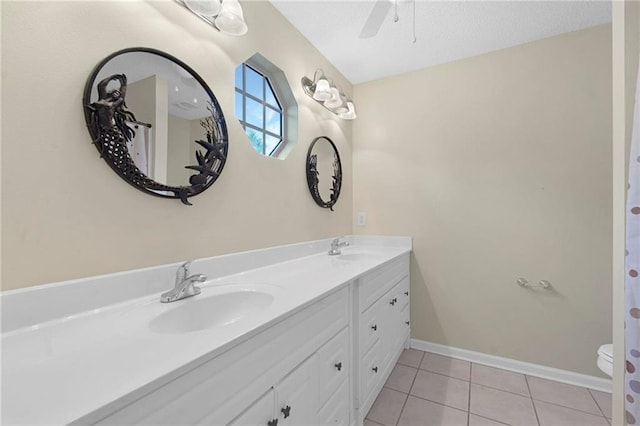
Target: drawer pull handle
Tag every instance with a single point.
(393, 301)
(375, 369)
(406, 293)
(285, 412)
(273, 422)
(374, 327)
(338, 366)
(406, 322)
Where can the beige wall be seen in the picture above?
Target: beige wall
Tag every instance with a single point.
(499, 166)
(66, 214)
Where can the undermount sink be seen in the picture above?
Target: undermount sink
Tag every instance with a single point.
(206, 311)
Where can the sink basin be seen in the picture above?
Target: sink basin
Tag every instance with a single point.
(359, 256)
(199, 313)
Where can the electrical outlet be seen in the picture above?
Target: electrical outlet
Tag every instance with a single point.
(362, 218)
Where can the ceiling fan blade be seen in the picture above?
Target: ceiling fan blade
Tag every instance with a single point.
(375, 19)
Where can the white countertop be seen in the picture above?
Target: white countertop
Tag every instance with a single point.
(66, 368)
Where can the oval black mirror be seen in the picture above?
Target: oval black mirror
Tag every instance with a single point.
(156, 123)
(324, 172)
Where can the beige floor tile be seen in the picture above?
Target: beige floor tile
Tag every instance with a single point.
(448, 366)
(502, 406)
(387, 407)
(555, 415)
(558, 393)
(401, 378)
(411, 357)
(368, 422)
(604, 401)
(481, 421)
(442, 389)
(418, 412)
(499, 379)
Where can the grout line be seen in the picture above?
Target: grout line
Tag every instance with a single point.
(436, 402)
(489, 418)
(569, 408)
(597, 404)
(507, 391)
(410, 387)
(535, 410)
(469, 399)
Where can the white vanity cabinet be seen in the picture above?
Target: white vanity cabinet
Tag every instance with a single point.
(381, 317)
(290, 402)
(288, 374)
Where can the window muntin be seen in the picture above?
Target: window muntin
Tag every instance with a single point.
(259, 110)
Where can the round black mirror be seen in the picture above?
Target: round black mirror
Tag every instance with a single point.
(156, 123)
(324, 172)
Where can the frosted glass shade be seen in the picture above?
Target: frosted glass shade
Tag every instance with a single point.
(323, 90)
(350, 114)
(335, 101)
(231, 18)
(203, 7)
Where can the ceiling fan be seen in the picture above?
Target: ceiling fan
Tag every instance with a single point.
(379, 13)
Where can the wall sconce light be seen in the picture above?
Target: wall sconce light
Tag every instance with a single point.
(223, 15)
(329, 96)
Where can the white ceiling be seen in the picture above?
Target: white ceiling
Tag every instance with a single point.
(445, 30)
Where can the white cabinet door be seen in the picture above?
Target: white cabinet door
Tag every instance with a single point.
(297, 396)
(259, 414)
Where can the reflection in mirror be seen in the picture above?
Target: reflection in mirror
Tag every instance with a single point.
(156, 123)
(324, 172)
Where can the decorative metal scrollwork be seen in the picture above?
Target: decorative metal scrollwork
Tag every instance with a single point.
(314, 176)
(109, 123)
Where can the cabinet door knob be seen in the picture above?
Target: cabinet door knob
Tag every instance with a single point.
(375, 369)
(393, 301)
(285, 412)
(406, 293)
(273, 422)
(374, 327)
(338, 366)
(406, 322)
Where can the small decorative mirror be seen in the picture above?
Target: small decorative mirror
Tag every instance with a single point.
(324, 172)
(156, 123)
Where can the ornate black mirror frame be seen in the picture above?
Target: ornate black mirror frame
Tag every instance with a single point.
(313, 178)
(105, 120)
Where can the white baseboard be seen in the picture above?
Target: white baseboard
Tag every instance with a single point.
(537, 370)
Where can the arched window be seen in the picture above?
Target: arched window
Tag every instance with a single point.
(265, 106)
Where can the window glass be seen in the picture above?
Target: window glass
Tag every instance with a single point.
(259, 110)
(273, 121)
(254, 113)
(254, 82)
(270, 96)
(271, 143)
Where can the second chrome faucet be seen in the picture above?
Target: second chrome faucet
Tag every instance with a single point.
(335, 246)
(184, 285)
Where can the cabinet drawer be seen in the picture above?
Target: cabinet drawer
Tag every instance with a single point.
(334, 364)
(371, 370)
(403, 293)
(371, 326)
(378, 282)
(336, 410)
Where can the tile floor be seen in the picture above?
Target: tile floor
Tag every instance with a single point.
(425, 389)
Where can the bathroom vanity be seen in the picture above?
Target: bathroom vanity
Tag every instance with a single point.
(281, 336)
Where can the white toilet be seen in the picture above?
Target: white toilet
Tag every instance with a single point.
(605, 359)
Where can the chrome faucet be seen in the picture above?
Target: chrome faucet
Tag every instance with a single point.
(335, 246)
(185, 285)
